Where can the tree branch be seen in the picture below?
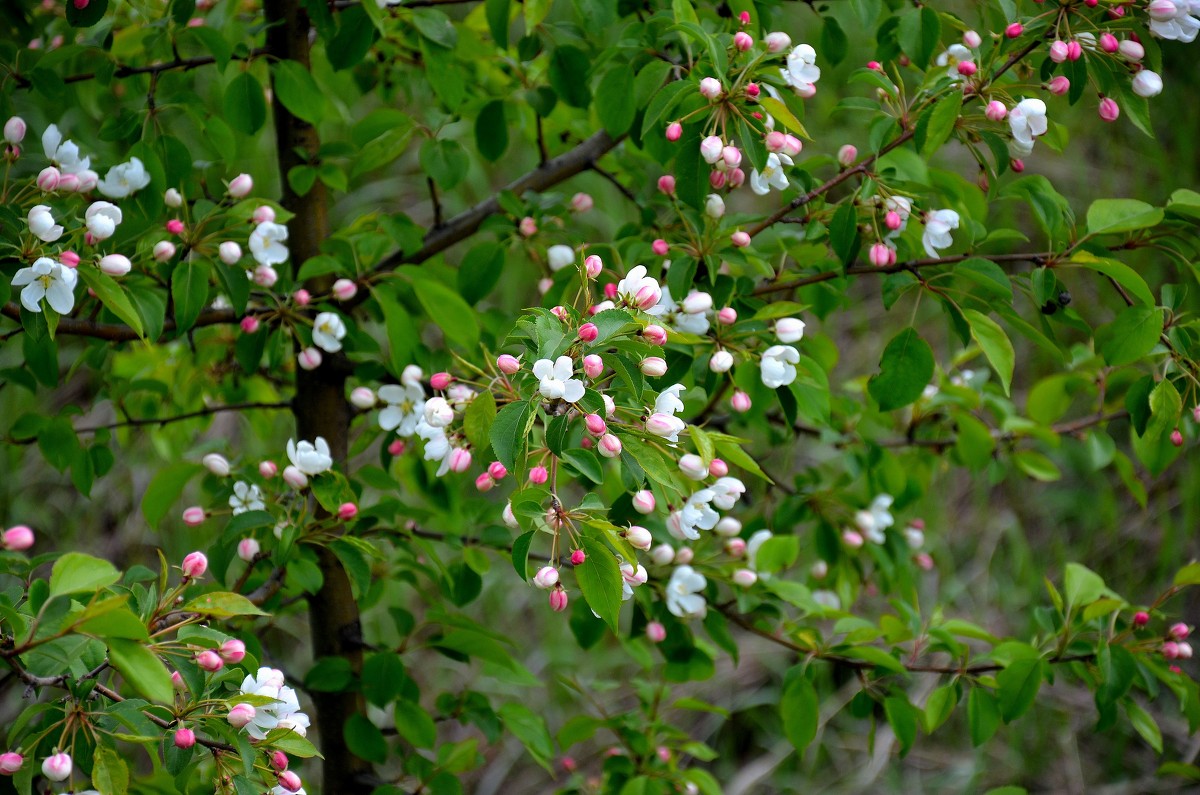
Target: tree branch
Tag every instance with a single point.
(124, 71)
(119, 332)
(191, 415)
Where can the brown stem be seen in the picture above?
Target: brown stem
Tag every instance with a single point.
(321, 410)
(191, 415)
(147, 69)
(119, 332)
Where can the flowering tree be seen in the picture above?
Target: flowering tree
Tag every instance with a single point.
(316, 208)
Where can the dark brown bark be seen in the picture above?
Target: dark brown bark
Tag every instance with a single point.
(321, 410)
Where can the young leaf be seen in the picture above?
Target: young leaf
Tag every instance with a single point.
(600, 580)
(905, 369)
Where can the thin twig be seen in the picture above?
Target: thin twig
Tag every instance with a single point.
(608, 175)
(191, 415)
(148, 69)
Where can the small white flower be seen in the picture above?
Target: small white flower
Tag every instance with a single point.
(873, 521)
(556, 380)
(560, 257)
(789, 329)
(937, 231)
(328, 332)
(267, 243)
(801, 72)
(124, 179)
(684, 589)
(438, 412)
(50, 280)
(1147, 84)
(673, 314)
(696, 514)
(772, 175)
(64, 154)
(714, 205)
(726, 492)
(1172, 19)
(956, 53)
(778, 367)
(311, 458)
(1027, 119)
(246, 497)
(639, 290)
(404, 406)
(102, 219)
(41, 224)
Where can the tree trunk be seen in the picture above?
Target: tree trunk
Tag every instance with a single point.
(321, 410)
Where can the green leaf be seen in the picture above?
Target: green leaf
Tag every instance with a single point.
(903, 718)
(1036, 465)
(939, 706)
(113, 296)
(586, 462)
(844, 237)
(535, 12)
(110, 774)
(1081, 585)
(435, 26)
(75, 572)
(520, 553)
(189, 291)
(364, 739)
(1119, 272)
(142, 669)
(87, 16)
(508, 433)
(164, 489)
(444, 161)
(1018, 687)
(383, 676)
(1145, 725)
(491, 131)
(222, 604)
(119, 623)
(800, 709)
(905, 369)
(600, 580)
(449, 311)
(939, 123)
(415, 725)
(983, 716)
(995, 344)
(480, 270)
(615, 100)
(291, 744)
(568, 75)
(478, 419)
(299, 93)
(497, 19)
(530, 728)
(1132, 335)
(245, 107)
(1109, 216)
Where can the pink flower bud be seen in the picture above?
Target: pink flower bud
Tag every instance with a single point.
(655, 334)
(69, 259)
(175, 226)
(774, 141)
(68, 183)
(194, 516)
(397, 447)
(347, 511)
(1108, 110)
(592, 266)
(791, 145)
(460, 460)
(48, 179)
(727, 316)
(740, 402)
(344, 289)
(743, 40)
(744, 17)
(643, 501)
(666, 184)
(718, 468)
(847, 154)
(546, 577)
(1185, 650)
(744, 578)
(184, 738)
(57, 767)
(484, 482)
(264, 214)
(875, 66)
(164, 250)
(232, 651)
(1177, 438)
(777, 41)
(660, 247)
(731, 156)
(1058, 85)
(710, 149)
(654, 366)
(752, 90)
(309, 359)
(268, 469)
(882, 256)
(593, 365)
(14, 130)
(290, 781)
(662, 554)
(996, 111)
(1141, 618)
(656, 632)
(560, 312)
(1179, 631)
(508, 364)
(971, 39)
(279, 760)
(10, 762)
(610, 290)
(716, 179)
(210, 661)
(249, 324)
(302, 297)
(115, 265)
(737, 177)
(362, 398)
(497, 470)
(735, 547)
(578, 557)
(1017, 165)
(558, 600)
(684, 556)
(582, 202)
(17, 538)
(692, 466)
(710, 88)
(527, 227)
(240, 715)
(1131, 50)
(720, 361)
(294, 477)
(740, 239)
(639, 537)
(966, 68)
(538, 475)
(609, 446)
(589, 332)
(1108, 43)
(194, 565)
(595, 424)
(1014, 30)
(1074, 51)
(674, 131)
(1170, 650)
(1058, 51)
(240, 186)
(852, 539)
(440, 381)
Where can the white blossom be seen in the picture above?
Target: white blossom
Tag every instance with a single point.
(124, 179)
(556, 380)
(560, 257)
(801, 72)
(673, 314)
(311, 458)
(328, 332)
(102, 219)
(956, 53)
(283, 713)
(246, 497)
(875, 519)
(267, 243)
(42, 225)
(404, 407)
(778, 366)
(772, 175)
(50, 280)
(1173, 19)
(1026, 120)
(639, 290)
(64, 154)
(684, 598)
(937, 231)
